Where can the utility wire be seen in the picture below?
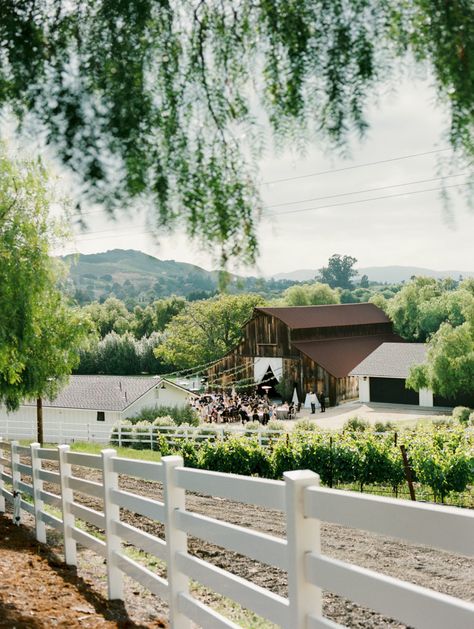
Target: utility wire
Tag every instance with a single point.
(364, 165)
(345, 194)
(387, 196)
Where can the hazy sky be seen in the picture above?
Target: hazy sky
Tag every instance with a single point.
(407, 229)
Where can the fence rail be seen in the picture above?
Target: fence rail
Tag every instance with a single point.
(299, 496)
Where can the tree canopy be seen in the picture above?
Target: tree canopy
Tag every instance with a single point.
(156, 101)
(339, 271)
(39, 333)
(310, 295)
(205, 330)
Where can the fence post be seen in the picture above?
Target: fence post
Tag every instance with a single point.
(2, 484)
(176, 540)
(40, 526)
(16, 478)
(303, 536)
(67, 497)
(112, 515)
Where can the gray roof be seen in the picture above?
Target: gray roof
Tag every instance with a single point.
(391, 360)
(102, 393)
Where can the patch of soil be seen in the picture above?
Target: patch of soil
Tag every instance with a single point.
(38, 591)
(443, 572)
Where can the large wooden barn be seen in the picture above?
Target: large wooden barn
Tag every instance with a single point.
(310, 347)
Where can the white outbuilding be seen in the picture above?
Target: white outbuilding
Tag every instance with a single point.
(382, 375)
(90, 405)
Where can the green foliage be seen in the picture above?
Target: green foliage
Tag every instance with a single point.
(355, 424)
(310, 295)
(305, 425)
(461, 414)
(285, 388)
(443, 460)
(206, 330)
(251, 427)
(449, 370)
(384, 427)
(40, 335)
(339, 272)
(421, 306)
(237, 455)
(161, 95)
(179, 414)
(275, 424)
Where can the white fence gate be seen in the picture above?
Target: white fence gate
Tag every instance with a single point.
(299, 496)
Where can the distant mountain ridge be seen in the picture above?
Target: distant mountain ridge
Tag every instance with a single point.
(136, 277)
(388, 274)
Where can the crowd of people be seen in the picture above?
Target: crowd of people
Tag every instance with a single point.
(223, 408)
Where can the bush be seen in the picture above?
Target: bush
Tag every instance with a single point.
(384, 427)
(179, 414)
(164, 421)
(237, 455)
(251, 427)
(124, 426)
(461, 414)
(305, 425)
(286, 456)
(275, 424)
(355, 424)
(471, 419)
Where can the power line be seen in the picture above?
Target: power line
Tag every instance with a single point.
(364, 165)
(345, 194)
(387, 196)
(321, 207)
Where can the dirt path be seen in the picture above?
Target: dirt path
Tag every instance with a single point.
(37, 591)
(444, 572)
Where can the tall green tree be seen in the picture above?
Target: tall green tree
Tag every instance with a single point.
(206, 330)
(420, 307)
(339, 271)
(154, 101)
(310, 295)
(39, 334)
(449, 370)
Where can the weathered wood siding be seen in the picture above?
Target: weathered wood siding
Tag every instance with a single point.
(265, 335)
(310, 334)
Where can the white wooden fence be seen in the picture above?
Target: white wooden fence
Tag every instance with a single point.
(123, 435)
(299, 496)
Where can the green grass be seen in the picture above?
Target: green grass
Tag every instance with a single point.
(96, 448)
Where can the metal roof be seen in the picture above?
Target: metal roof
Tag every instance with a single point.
(103, 393)
(334, 315)
(391, 360)
(340, 356)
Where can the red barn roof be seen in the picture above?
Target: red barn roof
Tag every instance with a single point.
(329, 316)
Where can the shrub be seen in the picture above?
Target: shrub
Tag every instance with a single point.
(125, 427)
(146, 414)
(471, 419)
(141, 436)
(179, 414)
(461, 414)
(236, 455)
(305, 425)
(355, 424)
(251, 427)
(190, 452)
(275, 424)
(384, 426)
(164, 421)
(286, 456)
